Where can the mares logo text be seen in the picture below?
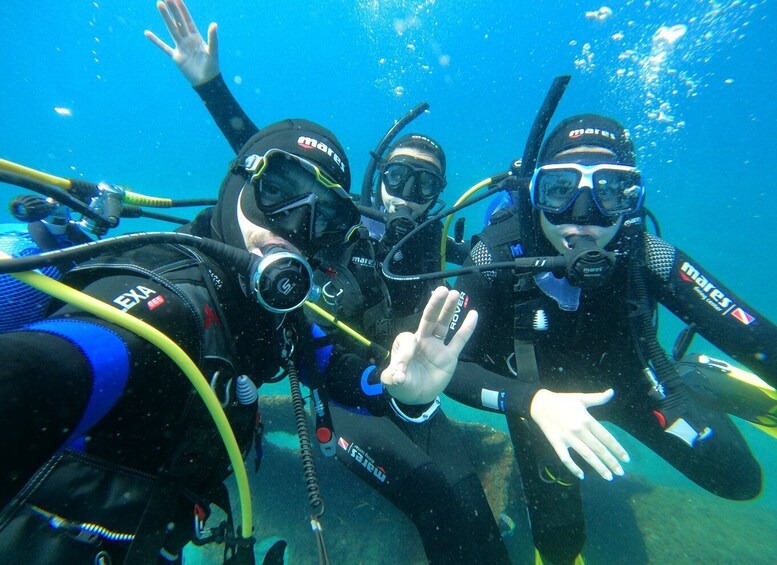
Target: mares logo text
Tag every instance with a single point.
(713, 296)
(704, 288)
(312, 143)
(361, 457)
(580, 132)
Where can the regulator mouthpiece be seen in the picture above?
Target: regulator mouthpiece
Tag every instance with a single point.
(588, 265)
(398, 225)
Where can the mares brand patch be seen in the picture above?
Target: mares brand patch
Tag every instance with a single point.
(631, 222)
(216, 280)
(704, 288)
(712, 295)
(133, 297)
(580, 132)
(426, 139)
(361, 457)
(363, 261)
(311, 143)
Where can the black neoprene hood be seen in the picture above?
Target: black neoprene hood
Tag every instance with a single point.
(303, 138)
(588, 130)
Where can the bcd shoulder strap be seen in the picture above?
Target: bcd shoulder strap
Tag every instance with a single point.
(502, 238)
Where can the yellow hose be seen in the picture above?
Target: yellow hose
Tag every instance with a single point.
(342, 326)
(39, 176)
(132, 198)
(108, 313)
(135, 199)
(449, 219)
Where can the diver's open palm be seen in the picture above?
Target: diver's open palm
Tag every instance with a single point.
(422, 364)
(198, 61)
(565, 421)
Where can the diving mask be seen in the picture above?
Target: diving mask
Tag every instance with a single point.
(412, 179)
(615, 189)
(298, 201)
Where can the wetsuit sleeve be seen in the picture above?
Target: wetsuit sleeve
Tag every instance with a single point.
(69, 372)
(229, 116)
(695, 296)
(353, 382)
(39, 405)
(473, 383)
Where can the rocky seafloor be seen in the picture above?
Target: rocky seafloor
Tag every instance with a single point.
(629, 521)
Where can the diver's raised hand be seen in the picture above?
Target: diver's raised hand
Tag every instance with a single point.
(422, 364)
(198, 61)
(565, 421)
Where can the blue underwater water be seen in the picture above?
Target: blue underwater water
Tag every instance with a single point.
(86, 95)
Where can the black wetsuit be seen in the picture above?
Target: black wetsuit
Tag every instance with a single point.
(150, 420)
(419, 467)
(142, 413)
(592, 349)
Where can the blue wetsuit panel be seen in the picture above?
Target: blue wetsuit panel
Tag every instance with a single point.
(108, 357)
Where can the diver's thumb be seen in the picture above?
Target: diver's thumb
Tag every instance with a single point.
(596, 398)
(402, 352)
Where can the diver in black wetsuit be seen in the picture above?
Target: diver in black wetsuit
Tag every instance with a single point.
(94, 406)
(377, 446)
(77, 382)
(594, 329)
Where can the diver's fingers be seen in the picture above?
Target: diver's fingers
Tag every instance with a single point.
(428, 323)
(582, 449)
(448, 310)
(609, 442)
(562, 450)
(602, 452)
(159, 43)
(467, 328)
(186, 16)
(170, 24)
(175, 11)
(213, 40)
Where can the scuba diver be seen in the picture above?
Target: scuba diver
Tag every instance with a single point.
(112, 449)
(589, 324)
(407, 186)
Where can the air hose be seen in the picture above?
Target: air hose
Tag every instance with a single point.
(308, 464)
(373, 348)
(110, 314)
(377, 155)
(84, 188)
(238, 259)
